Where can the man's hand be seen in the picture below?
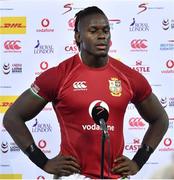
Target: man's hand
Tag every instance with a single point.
(124, 167)
(62, 166)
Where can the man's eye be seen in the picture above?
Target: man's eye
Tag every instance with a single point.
(92, 30)
(106, 30)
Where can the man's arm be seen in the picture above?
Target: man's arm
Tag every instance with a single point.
(152, 112)
(26, 107)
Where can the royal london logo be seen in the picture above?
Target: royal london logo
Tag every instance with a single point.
(115, 87)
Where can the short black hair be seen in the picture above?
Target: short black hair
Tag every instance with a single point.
(83, 13)
(87, 11)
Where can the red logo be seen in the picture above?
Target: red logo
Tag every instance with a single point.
(13, 25)
(45, 22)
(170, 63)
(68, 7)
(5, 104)
(139, 43)
(136, 122)
(71, 23)
(167, 141)
(42, 144)
(12, 45)
(40, 178)
(142, 6)
(44, 65)
(116, 21)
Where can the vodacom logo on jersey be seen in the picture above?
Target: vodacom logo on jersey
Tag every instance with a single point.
(80, 86)
(94, 126)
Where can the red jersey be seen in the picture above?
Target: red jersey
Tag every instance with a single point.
(74, 89)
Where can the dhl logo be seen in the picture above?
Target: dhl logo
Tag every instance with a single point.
(13, 25)
(6, 102)
(11, 176)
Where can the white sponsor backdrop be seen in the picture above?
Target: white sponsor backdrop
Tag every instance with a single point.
(142, 37)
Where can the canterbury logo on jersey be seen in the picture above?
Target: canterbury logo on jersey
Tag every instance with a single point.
(79, 86)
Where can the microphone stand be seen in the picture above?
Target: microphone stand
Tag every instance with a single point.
(104, 137)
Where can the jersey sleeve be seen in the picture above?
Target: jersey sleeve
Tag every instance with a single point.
(141, 88)
(47, 84)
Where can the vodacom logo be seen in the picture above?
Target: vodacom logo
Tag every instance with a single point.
(139, 43)
(170, 63)
(40, 178)
(71, 22)
(97, 103)
(44, 65)
(167, 141)
(42, 143)
(45, 22)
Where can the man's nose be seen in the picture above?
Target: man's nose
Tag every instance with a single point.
(101, 34)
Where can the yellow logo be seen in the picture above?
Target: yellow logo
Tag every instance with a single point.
(11, 176)
(13, 25)
(115, 87)
(6, 102)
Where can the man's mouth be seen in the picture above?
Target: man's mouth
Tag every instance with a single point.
(101, 46)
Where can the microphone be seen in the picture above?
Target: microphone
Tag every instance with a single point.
(100, 116)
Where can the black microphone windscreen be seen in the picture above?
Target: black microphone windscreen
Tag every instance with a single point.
(99, 112)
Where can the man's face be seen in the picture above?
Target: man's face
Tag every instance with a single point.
(94, 35)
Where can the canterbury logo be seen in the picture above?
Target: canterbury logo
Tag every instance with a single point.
(139, 43)
(136, 122)
(80, 85)
(13, 45)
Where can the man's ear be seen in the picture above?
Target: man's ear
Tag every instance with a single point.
(77, 37)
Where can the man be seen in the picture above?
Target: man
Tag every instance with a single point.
(74, 87)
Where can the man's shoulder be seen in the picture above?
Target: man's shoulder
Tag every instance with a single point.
(68, 64)
(119, 64)
(70, 61)
(124, 68)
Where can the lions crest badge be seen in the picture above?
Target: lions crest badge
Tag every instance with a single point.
(115, 87)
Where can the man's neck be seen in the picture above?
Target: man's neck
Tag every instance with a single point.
(94, 61)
